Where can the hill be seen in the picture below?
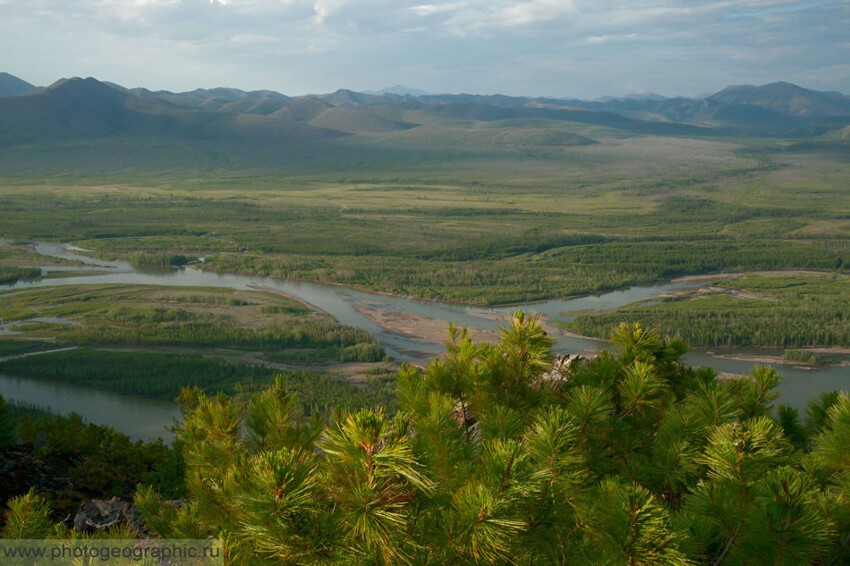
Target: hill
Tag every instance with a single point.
(229, 125)
(69, 109)
(11, 85)
(773, 108)
(785, 99)
(88, 109)
(357, 120)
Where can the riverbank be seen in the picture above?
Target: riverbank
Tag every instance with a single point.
(781, 360)
(416, 326)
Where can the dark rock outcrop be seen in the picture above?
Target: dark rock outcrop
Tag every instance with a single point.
(21, 469)
(99, 514)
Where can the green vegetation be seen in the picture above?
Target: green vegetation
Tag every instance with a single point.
(79, 460)
(778, 309)
(487, 207)
(144, 374)
(7, 425)
(19, 413)
(15, 347)
(19, 262)
(469, 202)
(805, 357)
(154, 341)
(164, 375)
(136, 315)
(490, 224)
(147, 259)
(13, 274)
(492, 462)
(496, 457)
(486, 456)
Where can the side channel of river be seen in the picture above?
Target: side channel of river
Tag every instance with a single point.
(145, 418)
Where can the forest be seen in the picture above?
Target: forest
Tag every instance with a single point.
(501, 454)
(163, 375)
(194, 318)
(784, 310)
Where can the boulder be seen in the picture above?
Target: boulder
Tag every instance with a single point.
(98, 514)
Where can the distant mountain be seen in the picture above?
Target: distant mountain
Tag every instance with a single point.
(358, 120)
(87, 108)
(775, 108)
(399, 90)
(11, 85)
(254, 122)
(303, 109)
(633, 96)
(785, 98)
(345, 97)
(221, 99)
(67, 109)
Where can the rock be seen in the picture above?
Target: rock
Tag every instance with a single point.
(561, 366)
(20, 470)
(98, 514)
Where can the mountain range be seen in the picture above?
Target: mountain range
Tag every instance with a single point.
(88, 109)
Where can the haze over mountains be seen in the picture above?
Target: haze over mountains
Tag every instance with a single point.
(253, 122)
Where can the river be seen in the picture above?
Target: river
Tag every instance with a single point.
(145, 418)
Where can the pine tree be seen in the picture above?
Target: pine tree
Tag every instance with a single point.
(27, 517)
(628, 458)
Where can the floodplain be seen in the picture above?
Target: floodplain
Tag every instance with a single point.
(479, 212)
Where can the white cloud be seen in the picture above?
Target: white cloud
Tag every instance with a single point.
(485, 18)
(425, 10)
(597, 39)
(565, 47)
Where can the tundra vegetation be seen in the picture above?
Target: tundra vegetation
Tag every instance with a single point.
(477, 199)
(492, 226)
(497, 457)
(153, 341)
(783, 310)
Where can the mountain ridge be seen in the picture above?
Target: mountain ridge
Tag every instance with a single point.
(86, 108)
(11, 85)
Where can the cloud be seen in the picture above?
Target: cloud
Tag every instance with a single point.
(476, 18)
(596, 39)
(556, 47)
(424, 10)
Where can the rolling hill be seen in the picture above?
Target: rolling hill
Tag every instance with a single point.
(227, 125)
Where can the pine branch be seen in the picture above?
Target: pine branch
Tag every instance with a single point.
(843, 546)
(729, 543)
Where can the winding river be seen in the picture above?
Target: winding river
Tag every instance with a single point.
(147, 418)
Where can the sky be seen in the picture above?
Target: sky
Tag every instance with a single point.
(560, 48)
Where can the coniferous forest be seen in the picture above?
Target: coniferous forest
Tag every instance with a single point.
(501, 454)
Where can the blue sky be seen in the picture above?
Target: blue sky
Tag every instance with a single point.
(572, 48)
